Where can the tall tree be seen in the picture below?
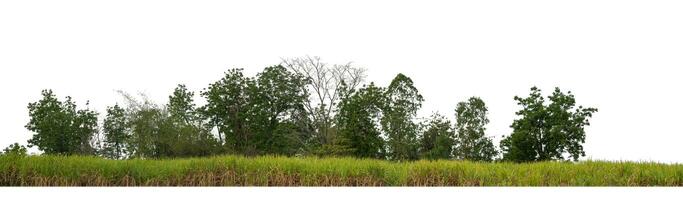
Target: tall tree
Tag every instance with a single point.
(437, 139)
(547, 132)
(357, 122)
(276, 99)
(115, 133)
(324, 83)
(227, 109)
(60, 128)
(470, 125)
(403, 102)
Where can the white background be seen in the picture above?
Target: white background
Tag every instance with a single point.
(622, 57)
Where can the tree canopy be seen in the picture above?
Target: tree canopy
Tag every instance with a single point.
(61, 128)
(553, 131)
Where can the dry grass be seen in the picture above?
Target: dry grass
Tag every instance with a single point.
(283, 171)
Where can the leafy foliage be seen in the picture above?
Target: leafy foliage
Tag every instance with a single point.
(438, 139)
(227, 109)
(15, 150)
(115, 133)
(470, 125)
(60, 128)
(186, 133)
(276, 104)
(547, 132)
(357, 121)
(275, 113)
(403, 101)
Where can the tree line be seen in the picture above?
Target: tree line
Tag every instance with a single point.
(304, 106)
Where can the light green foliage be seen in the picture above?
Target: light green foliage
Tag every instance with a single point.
(61, 128)
(357, 120)
(14, 150)
(437, 139)
(146, 123)
(403, 101)
(174, 130)
(307, 171)
(470, 125)
(547, 132)
(115, 130)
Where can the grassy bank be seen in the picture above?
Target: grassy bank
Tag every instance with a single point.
(283, 171)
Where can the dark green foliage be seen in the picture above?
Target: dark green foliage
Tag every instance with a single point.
(184, 131)
(437, 139)
(547, 132)
(403, 101)
(470, 125)
(60, 128)
(14, 150)
(264, 115)
(115, 130)
(357, 120)
(227, 109)
(276, 104)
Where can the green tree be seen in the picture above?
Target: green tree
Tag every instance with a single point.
(14, 149)
(357, 122)
(184, 131)
(60, 128)
(547, 132)
(227, 109)
(145, 122)
(276, 102)
(437, 139)
(115, 133)
(470, 125)
(403, 101)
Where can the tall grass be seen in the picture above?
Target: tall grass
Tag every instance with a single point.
(283, 171)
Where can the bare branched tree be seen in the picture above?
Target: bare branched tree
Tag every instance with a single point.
(324, 85)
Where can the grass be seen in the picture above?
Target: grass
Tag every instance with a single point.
(309, 171)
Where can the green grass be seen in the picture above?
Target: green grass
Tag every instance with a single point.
(284, 171)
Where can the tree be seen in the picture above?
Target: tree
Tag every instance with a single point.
(115, 133)
(227, 109)
(276, 102)
(324, 83)
(547, 132)
(14, 149)
(403, 101)
(60, 128)
(185, 131)
(437, 138)
(145, 122)
(357, 122)
(470, 125)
